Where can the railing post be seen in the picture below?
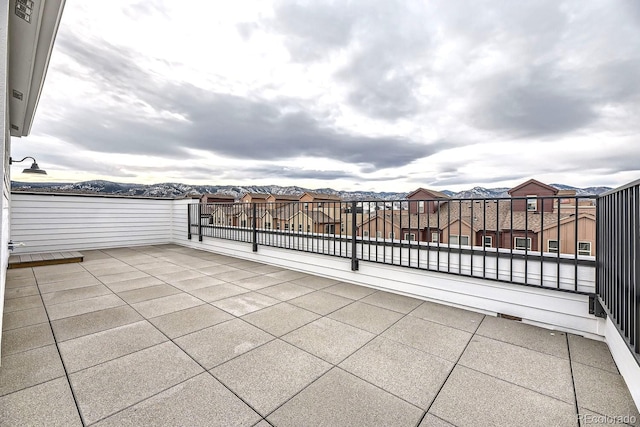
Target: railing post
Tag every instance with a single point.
(189, 221)
(254, 225)
(200, 222)
(354, 246)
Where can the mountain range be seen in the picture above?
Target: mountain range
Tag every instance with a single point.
(176, 190)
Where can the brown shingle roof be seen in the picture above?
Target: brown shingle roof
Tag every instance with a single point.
(286, 197)
(321, 196)
(497, 216)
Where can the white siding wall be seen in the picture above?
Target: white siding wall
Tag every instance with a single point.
(5, 142)
(62, 223)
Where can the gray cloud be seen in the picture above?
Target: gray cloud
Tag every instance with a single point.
(49, 160)
(384, 37)
(442, 182)
(541, 105)
(296, 173)
(225, 124)
(314, 29)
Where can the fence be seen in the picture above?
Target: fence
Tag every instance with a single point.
(618, 254)
(534, 241)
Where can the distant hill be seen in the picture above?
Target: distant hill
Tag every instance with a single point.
(174, 190)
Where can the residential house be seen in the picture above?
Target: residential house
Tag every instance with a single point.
(217, 198)
(423, 200)
(282, 199)
(531, 220)
(328, 203)
(316, 221)
(229, 215)
(380, 225)
(254, 198)
(534, 191)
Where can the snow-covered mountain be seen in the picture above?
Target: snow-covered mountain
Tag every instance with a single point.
(174, 190)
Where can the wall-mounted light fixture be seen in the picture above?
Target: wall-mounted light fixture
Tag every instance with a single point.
(34, 166)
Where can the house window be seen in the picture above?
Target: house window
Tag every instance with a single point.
(454, 239)
(421, 206)
(552, 246)
(277, 226)
(267, 225)
(409, 236)
(308, 228)
(532, 203)
(243, 223)
(299, 227)
(435, 237)
(286, 226)
(365, 233)
(584, 248)
(488, 241)
(378, 234)
(392, 235)
(522, 243)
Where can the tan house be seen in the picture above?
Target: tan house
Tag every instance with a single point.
(225, 215)
(379, 226)
(315, 201)
(586, 241)
(282, 199)
(312, 222)
(254, 198)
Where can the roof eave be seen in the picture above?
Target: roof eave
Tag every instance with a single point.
(31, 40)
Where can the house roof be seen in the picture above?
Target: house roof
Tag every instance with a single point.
(321, 196)
(221, 196)
(316, 216)
(434, 193)
(496, 216)
(570, 218)
(259, 196)
(285, 197)
(536, 182)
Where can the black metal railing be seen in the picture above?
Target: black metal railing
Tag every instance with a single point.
(618, 255)
(535, 241)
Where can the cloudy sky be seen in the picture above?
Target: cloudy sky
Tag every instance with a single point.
(379, 95)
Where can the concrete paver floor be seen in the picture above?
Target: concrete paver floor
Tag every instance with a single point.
(166, 335)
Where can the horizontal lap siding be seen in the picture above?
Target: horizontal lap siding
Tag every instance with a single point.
(46, 223)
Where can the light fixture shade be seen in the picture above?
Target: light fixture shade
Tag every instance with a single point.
(35, 169)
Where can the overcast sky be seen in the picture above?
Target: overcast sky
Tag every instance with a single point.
(376, 95)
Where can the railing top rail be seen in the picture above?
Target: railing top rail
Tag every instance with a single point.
(440, 200)
(623, 187)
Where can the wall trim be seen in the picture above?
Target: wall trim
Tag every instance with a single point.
(626, 363)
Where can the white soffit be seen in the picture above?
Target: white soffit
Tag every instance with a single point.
(33, 25)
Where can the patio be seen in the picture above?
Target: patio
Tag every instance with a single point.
(167, 335)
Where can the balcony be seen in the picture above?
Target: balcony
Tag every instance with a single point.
(169, 335)
(170, 321)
